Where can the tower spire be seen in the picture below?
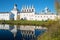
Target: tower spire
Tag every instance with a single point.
(46, 9)
(15, 6)
(27, 6)
(22, 10)
(32, 7)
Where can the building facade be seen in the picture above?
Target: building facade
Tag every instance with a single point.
(4, 16)
(27, 13)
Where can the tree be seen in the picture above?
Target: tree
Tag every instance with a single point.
(57, 6)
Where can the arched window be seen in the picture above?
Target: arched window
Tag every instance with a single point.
(25, 18)
(32, 10)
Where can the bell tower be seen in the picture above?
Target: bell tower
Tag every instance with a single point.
(15, 11)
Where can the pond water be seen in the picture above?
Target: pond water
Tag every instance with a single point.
(20, 32)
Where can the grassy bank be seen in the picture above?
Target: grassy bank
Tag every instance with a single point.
(53, 32)
(25, 22)
(22, 22)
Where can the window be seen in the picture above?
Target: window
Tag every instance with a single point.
(44, 16)
(32, 10)
(38, 16)
(32, 15)
(27, 10)
(35, 16)
(47, 16)
(31, 18)
(41, 16)
(24, 15)
(50, 16)
(27, 14)
(54, 16)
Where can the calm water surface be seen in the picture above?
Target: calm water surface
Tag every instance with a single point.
(20, 32)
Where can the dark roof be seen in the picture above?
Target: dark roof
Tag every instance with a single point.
(25, 12)
(4, 12)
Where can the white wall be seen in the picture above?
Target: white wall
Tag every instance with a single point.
(28, 16)
(4, 16)
(44, 17)
(33, 16)
(15, 14)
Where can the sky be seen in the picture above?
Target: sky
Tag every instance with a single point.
(7, 5)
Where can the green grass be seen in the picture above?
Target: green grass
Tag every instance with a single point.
(53, 32)
(22, 22)
(26, 22)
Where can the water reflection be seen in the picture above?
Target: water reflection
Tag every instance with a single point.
(6, 35)
(22, 32)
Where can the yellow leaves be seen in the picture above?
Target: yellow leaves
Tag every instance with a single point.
(57, 6)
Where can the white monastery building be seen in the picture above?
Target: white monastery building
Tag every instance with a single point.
(27, 13)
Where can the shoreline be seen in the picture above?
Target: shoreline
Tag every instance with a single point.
(26, 22)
